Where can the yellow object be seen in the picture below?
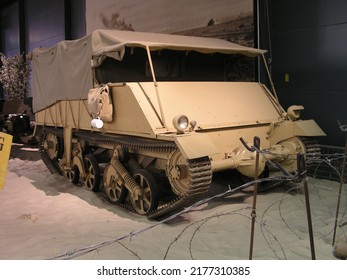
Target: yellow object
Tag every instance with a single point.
(5, 149)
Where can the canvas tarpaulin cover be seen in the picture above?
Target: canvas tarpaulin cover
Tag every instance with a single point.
(64, 71)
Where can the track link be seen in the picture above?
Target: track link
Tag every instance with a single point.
(132, 143)
(201, 174)
(53, 166)
(199, 169)
(313, 150)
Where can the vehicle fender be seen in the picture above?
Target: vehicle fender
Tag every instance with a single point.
(289, 129)
(307, 128)
(196, 145)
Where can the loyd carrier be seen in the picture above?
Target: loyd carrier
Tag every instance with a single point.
(149, 118)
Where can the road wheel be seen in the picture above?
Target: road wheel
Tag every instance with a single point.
(146, 198)
(92, 173)
(114, 188)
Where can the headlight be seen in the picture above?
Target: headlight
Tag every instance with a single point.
(180, 123)
(294, 111)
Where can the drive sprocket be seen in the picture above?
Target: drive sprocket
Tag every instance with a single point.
(188, 176)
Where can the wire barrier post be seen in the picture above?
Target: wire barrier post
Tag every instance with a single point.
(302, 172)
(342, 178)
(256, 148)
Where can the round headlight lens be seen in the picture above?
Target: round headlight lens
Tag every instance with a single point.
(180, 123)
(294, 111)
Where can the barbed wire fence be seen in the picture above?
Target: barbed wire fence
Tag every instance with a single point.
(275, 245)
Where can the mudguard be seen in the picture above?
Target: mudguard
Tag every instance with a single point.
(288, 129)
(307, 128)
(196, 145)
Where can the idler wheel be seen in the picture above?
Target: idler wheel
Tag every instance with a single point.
(145, 198)
(114, 188)
(52, 146)
(92, 173)
(178, 173)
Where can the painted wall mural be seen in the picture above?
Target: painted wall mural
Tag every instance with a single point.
(226, 19)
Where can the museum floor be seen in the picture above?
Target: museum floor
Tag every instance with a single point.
(45, 217)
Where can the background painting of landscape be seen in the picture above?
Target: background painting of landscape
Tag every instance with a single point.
(231, 20)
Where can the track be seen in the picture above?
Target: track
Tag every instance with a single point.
(201, 174)
(199, 170)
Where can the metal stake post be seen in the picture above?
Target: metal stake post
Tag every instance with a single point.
(342, 175)
(303, 175)
(255, 192)
(256, 147)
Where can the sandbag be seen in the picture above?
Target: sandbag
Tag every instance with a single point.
(100, 103)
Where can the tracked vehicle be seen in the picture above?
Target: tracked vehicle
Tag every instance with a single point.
(149, 118)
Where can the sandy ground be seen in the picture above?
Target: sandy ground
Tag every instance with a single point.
(43, 217)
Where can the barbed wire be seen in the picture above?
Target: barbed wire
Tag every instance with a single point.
(87, 249)
(270, 238)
